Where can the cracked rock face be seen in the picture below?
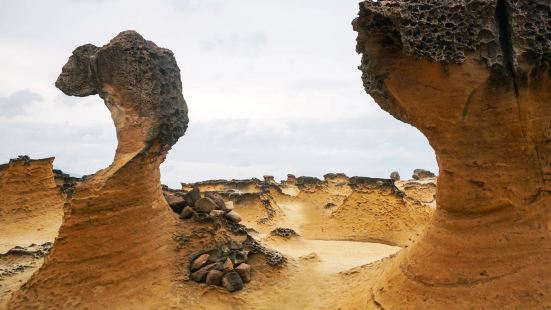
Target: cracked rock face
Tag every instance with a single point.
(115, 248)
(473, 77)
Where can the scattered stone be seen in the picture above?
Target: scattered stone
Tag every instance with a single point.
(201, 274)
(228, 265)
(200, 217)
(214, 277)
(235, 245)
(395, 176)
(192, 196)
(216, 213)
(239, 257)
(176, 203)
(244, 271)
(419, 174)
(228, 205)
(232, 281)
(233, 216)
(205, 205)
(224, 250)
(218, 200)
(200, 261)
(284, 232)
(274, 258)
(187, 212)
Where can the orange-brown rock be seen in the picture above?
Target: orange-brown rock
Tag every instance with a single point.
(31, 205)
(337, 208)
(115, 247)
(473, 76)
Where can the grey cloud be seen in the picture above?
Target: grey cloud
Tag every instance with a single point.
(17, 102)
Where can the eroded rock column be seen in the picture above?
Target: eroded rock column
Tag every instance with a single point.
(473, 77)
(115, 247)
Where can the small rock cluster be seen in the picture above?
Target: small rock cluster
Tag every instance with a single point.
(286, 233)
(211, 205)
(225, 266)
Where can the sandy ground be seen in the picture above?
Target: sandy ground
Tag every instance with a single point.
(330, 256)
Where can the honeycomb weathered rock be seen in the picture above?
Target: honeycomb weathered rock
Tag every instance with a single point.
(474, 78)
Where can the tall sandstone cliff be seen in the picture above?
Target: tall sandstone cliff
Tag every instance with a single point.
(473, 76)
(114, 248)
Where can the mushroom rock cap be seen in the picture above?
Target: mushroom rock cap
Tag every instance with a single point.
(140, 84)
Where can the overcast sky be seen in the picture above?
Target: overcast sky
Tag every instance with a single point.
(272, 88)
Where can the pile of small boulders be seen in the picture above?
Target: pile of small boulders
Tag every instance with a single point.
(211, 205)
(225, 266)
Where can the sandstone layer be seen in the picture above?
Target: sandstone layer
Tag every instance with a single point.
(31, 204)
(335, 208)
(115, 247)
(31, 209)
(473, 76)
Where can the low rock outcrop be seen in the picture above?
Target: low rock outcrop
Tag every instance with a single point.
(31, 205)
(336, 208)
(473, 76)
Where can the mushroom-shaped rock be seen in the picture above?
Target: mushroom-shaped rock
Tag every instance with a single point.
(419, 174)
(117, 225)
(473, 76)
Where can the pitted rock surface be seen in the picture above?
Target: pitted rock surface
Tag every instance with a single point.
(131, 73)
(473, 77)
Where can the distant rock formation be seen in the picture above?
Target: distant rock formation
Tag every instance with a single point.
(419, 174)
(31, 205)
(115, 246)
(473, 76)
(338, 207)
